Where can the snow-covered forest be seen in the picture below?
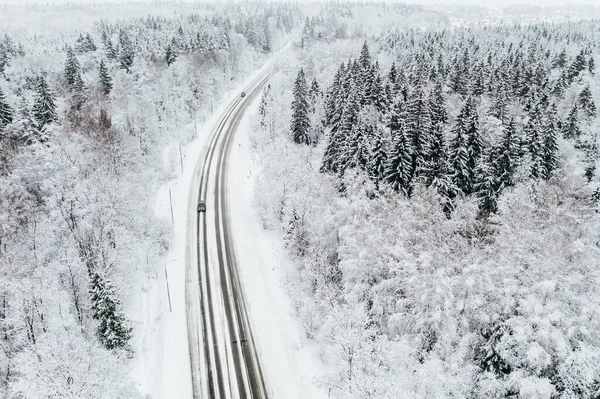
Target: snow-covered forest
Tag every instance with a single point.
(435, 180)
(95, 103)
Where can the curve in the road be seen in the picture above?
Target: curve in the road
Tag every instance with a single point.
(244, 378)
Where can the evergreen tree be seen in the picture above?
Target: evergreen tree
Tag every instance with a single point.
(105, 79)
(79, 94)
(534, 143)
(314, 94)
(418, 130)
(571, 125)
(350, 137)
(398, 169)
(507, 155)
(28, 131)
(111, 52)
(378, 95)
(264, 105)
(591, 65)
(170, 55)
(357, 147)
(365, 58)
(487, 187)
(300, 108)
(465, 148)
(377, 155)
(586, 102)
(436, 170)
(127, 51)
(6, 112)
(113, 328)
(393, 75)
(549, 144)
(44, 108)
(71, 67)
(335, 100)
(499, 108)
(578, 65)
(437, 104)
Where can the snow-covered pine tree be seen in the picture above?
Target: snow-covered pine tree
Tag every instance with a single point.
(71, 67)
(591, 66)
(507, 155)
(105, 79)
(79, 92)
(418, 130)
(463, 157)
(357, 146)
(264, 106)
(300, 126)
(365, 58)
(27, 129)
(487, 187)
(437, 104)
(549, 144)
(113, 330)
(571, 125)
(533, 136)
(474, 140)
(377, 154)
(392, 75)
(335, 100)
(44, 108)
(112, 53)
(398, 170)
(350, 119)
(578, 65)
(436, 169)
(378, 96)
(6, 112)
(127, 52)
(586, 103)
(499, 108)
(315, 94)
(170, 55)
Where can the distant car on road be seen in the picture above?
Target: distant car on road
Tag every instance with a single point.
(201, 206)
(243, 94)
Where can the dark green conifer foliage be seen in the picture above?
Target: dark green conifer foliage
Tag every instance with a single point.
(170, 55)
(377, 155)
(507, 155)
(437, 102)
(300, 109)
(44, 108)
(549, 144)
(105, 79)
(465, 148)
(571, 125)
(398, 171)
(113, 330)
(533, 135)
(586, 103)
(71, 67)
(6, 112)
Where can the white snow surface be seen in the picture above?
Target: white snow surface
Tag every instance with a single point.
(290, 366)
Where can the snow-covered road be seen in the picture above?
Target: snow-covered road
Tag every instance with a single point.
(223, 358)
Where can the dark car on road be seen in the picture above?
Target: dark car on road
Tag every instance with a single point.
(243, 94)
(201, 206)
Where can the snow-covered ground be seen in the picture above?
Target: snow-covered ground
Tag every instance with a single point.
(291, 370)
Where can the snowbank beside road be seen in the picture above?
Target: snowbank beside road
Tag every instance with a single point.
(289, 365)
